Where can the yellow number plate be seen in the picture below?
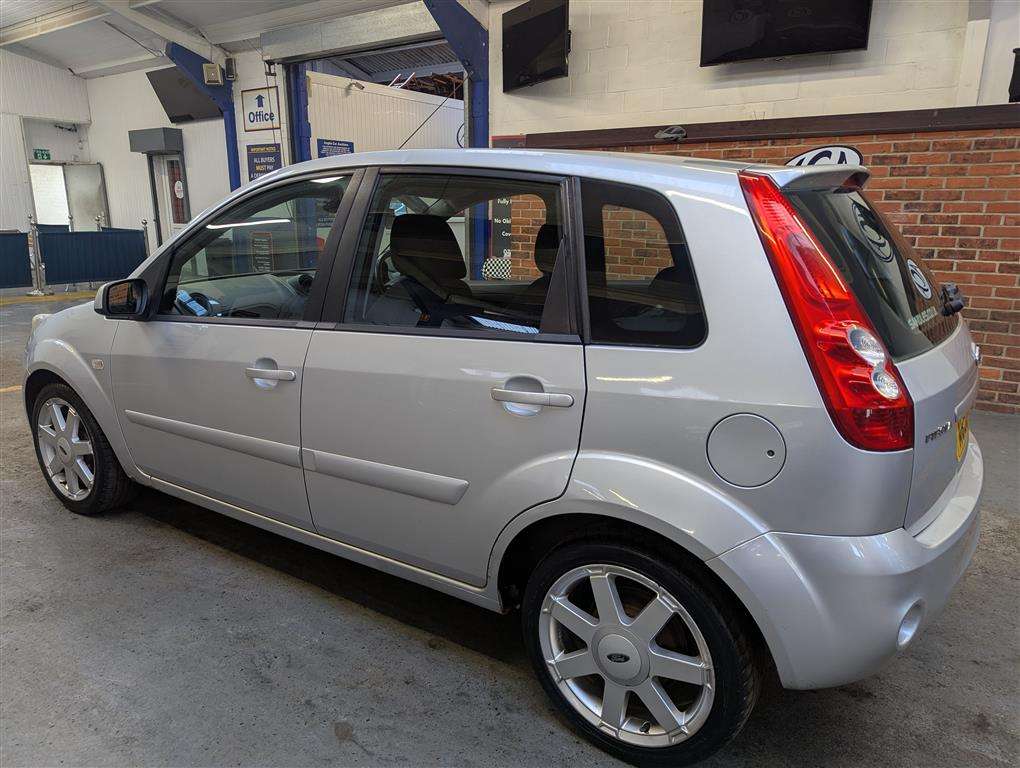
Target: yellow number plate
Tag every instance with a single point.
(962, 433)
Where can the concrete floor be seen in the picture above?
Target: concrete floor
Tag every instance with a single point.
(168, 635)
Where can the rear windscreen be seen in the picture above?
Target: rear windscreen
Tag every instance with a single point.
(897, 291)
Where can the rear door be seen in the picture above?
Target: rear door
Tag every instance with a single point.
(932, 350)
(441, 403)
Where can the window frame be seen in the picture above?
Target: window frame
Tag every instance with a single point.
(581, 277)
(562, 288)
(313, 306)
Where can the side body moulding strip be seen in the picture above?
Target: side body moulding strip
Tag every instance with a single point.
(281, 453)
(482, 596)
(424, 485)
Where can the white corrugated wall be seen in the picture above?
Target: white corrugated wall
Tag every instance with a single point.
(29, 88)
(379, 117)
(32, 89)
(15, 189)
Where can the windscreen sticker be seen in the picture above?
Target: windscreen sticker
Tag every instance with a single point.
(922, 317)
(920, 281)
(869, 228)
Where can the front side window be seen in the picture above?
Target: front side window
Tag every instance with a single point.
(257, 260)
(456, 252)
(641, 286)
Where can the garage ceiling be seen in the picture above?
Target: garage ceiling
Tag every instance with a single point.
(93, 38)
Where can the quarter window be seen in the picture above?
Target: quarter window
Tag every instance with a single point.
(457, 252)
(257, 260)
(641, 286)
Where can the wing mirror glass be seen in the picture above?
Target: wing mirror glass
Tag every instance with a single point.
(123, 299)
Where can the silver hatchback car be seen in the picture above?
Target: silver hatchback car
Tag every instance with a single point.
(698, 420)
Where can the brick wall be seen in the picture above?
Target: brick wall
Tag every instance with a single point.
(956, 197)
(636, 246)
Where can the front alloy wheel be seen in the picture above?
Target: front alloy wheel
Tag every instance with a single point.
(75, 456)
(66, 449)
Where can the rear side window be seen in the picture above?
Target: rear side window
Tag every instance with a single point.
(897, 291)
(641, 286)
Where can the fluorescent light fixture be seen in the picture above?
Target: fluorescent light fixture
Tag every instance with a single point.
(257, 223)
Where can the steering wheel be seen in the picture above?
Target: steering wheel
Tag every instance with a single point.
(195, 304)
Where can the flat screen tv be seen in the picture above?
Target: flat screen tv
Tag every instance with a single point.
(535, 43)
(181, 99)
(738, 30)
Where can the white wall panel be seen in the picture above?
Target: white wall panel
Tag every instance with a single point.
(64, 146)
(15, 190)
(637, 63)
(33, 89)
(124, 102)
(379, 117)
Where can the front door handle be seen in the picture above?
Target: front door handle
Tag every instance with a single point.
(270, 374)
(554, 399)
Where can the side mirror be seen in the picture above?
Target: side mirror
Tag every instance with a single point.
(123, 299)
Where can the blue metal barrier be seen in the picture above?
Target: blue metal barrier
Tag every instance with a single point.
(15, 269)
(81, 257)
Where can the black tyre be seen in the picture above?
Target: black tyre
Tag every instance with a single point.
(647, 658)
(76, 459)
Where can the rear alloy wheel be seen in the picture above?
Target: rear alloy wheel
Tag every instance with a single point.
(76, 458)
(638, 655)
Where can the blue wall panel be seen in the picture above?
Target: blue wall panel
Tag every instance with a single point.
(15, 269)
(80, 257)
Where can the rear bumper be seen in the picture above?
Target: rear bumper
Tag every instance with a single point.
(834, 609)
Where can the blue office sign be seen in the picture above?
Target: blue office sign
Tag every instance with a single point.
(263, 158)
(331, 147)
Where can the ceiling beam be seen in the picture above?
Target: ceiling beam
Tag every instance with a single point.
(77, 13)
(129, 64)
(125, 9)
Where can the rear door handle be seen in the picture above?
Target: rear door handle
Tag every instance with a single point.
(554, 399)
(270, 374)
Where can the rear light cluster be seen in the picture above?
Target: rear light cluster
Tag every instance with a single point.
(858, 381)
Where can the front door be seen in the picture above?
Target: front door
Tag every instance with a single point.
(171, 194)
(442, 404)
(208, 390)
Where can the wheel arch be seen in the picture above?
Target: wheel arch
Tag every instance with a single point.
(62, 366)
(533, 541)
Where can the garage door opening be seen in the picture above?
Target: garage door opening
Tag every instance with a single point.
(409, 96)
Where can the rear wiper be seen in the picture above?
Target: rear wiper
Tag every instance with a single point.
(952, 299)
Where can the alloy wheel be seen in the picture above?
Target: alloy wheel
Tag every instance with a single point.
(66, 449)
(626, 655)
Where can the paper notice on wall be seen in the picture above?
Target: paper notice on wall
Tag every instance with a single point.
(261, 251)
(331, 147)
(262, 159)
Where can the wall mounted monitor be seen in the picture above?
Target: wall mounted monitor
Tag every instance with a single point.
(536, 41)
(739, 30)
(182, 101)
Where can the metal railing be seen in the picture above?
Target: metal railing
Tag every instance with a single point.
(57, 254)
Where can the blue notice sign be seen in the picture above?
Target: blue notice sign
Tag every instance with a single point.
(330, 147)
(263, 158)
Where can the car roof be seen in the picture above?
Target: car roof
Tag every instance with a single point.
(565, 162)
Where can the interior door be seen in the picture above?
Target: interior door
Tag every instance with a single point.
(86, 195)
(208, 390)
(171, 194)
(439, 408)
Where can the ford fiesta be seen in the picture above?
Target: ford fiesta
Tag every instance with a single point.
(696, 419)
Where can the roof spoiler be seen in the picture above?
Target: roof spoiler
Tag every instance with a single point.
(801, 177)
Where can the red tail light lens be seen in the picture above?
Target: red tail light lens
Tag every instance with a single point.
(860, 385)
